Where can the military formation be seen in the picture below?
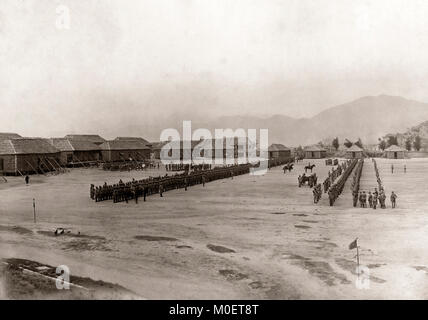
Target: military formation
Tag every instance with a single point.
(125, 191)
(332, 176)
(336, 189)
(355, 186)
(317, 192)
(124, 166)
(187, 167)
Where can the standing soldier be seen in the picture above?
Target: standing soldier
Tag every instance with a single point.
(145, 192)
(393, 199)
(370, 200)
(364, 199)
(355, 197)
(203, 180)
(405, 169)
(361, 199)
(392, 168)
(161, 189)
(382, 199)
(331, 196)
(375, 200)
(136, 190)
(27, 179)
(92, 192)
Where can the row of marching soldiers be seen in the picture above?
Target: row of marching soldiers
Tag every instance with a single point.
(328, 182)
(355, 186)
(153, 185)
(332, 176)
(336, 189)
(187, 167)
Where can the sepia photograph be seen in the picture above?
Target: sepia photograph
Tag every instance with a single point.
(213, 150)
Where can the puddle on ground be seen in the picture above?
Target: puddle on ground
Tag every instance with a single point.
(219, 249)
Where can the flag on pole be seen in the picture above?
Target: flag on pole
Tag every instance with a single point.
(353, 244)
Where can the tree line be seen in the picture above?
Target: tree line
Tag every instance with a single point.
(383, 143)
(409, 143)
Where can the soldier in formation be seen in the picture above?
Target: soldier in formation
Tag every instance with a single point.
(370, 200)
(336, 189)
(393, 199)
(317, 192)
(375, 198)
(136, 188)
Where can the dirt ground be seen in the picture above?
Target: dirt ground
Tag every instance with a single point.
(247, 238)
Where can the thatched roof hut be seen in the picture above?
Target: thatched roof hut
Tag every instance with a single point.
(354, 152)
(277, 150)
(395, 152)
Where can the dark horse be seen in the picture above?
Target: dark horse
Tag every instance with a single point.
(309, 167)
(288, 166)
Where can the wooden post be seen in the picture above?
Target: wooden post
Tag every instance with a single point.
(34, 210)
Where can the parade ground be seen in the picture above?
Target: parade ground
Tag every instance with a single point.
(250, 237)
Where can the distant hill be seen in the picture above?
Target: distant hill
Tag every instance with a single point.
(420, 130)
(368, 118)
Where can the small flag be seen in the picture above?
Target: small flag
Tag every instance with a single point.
(353, 244)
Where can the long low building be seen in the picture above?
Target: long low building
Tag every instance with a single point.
(76, 151)
(132, 139)
(9, 135)
(94, 138)
(315, 152)
(28, 155)
(124, 150)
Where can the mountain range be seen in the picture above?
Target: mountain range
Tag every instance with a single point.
(368, 118)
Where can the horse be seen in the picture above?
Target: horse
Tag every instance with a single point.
(288, 167)
(309, 167)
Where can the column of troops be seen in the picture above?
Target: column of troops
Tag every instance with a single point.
(317, 192)
(187, 167)
(336, 189)
(332, 176)
(124, 166)
(378, 196)
(379, 181)
(158, 185)
(355, 186)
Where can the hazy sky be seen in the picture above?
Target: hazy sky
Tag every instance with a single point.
(122, 58)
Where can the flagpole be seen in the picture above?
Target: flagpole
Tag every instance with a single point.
(358, 258)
